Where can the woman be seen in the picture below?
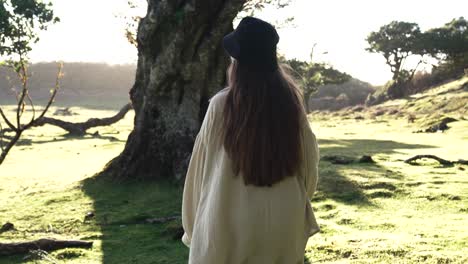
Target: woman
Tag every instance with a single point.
(254, 162)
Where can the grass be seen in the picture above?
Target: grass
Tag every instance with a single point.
(47, 190)
(390, 212)
(386, 212)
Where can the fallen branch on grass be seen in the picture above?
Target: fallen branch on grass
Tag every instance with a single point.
(161, 220)
(79, 129)
(440, 160)
(42, 244)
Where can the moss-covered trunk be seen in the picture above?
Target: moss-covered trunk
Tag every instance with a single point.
(181, 63)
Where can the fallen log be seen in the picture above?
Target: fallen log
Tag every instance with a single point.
(440, 160)
(42, 244)
(79, 129)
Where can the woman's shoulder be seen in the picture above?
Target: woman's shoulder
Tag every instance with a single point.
(219, 98)
(220, 95)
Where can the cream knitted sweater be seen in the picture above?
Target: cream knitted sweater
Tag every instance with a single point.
(226, 222)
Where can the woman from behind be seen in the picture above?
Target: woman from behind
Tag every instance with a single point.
(254, 164)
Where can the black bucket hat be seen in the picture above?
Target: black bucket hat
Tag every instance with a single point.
(253, 43)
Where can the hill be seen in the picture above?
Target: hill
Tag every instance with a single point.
(338, 96)
(425, 109)
(103, 86)
(93, 85)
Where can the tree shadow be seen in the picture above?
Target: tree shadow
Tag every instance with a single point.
(344, 183)
(121, 208)
(67, 137)
(120, 213)
(364, 146)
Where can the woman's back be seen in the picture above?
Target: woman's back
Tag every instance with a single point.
(227, 221)
(254, 162)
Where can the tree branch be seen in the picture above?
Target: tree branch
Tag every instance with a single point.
(440, 160)
(79, 129)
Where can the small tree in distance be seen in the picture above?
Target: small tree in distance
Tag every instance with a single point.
(449, 44)
(312, 75)
(397, 41)
(20, 22)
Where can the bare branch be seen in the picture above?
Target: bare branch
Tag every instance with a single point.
(28, 97)
(7, 121)
(51, 99)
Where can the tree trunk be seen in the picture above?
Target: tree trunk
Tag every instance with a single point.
(181, 63)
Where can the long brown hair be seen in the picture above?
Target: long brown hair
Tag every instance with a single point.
(261, 131)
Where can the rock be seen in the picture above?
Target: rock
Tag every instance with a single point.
(7, 227)
(440, 125)
(454, 198)
(366, 159)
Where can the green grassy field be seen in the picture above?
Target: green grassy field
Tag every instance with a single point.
(386, 212)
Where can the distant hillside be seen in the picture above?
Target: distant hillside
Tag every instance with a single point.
(94, 85)
(424, 110)
(449, 99)
(99, 85)
(338, 96)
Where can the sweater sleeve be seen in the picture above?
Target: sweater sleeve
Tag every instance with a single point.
(194, 176)
(311, 159)
(192, 189)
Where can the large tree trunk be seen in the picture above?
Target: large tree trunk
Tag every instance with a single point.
(181, 63)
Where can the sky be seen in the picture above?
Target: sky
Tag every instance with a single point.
(92, 31)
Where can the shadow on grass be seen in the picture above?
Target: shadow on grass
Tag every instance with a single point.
(66, 137)
(339, 182)
(121, 208)
(361, 147)
(120, 212)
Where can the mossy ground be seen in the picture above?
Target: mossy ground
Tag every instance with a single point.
(386, 212)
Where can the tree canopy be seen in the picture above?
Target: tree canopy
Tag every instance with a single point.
(396, 41)
(20, 23)
(312, 75)
(449, 43)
